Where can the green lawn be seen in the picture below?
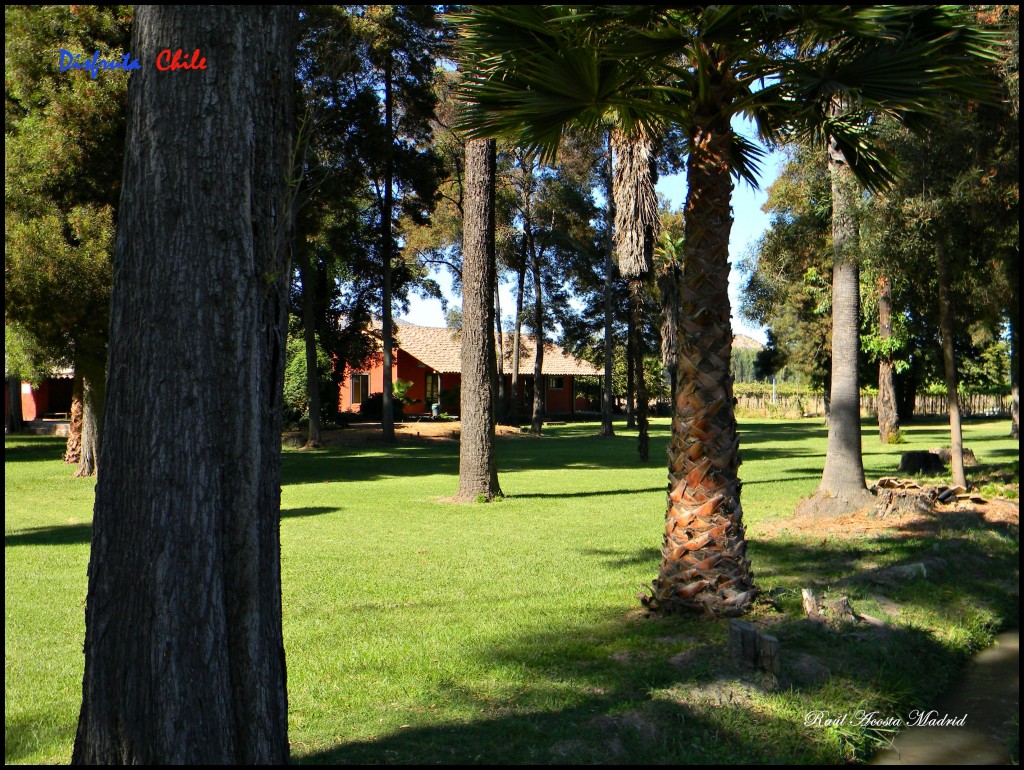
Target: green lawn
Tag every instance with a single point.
(419, 630)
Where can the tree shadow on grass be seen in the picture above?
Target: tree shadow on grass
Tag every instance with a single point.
(599, 493)
(644, 691)
(21, 449)
(66, 534)
(626, 688)
(290, 513)
(26, 733)
(617, 559)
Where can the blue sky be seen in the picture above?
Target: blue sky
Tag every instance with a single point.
(749, 222)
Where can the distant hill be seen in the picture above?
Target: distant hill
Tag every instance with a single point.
(743, 342)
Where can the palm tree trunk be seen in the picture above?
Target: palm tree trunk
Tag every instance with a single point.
(842, 489)
(94, 377)
(478, 470)
(704, 565)
(956, 441)
(888, 416)
(73, 448)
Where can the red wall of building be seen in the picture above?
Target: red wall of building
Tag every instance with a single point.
(405, 367)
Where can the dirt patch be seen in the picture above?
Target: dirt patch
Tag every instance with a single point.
(405, 433)
(901, 521)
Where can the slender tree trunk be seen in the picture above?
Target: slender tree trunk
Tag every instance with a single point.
(73, 448)
(517, 338)
(607, 429)
(630, 373)
(842, 488)
(1014, 378)
(478, 470)
(888, 415)
(636, 302)
(537, 421)
(313, 439)
(501, 410)
(956, 441)
(388, 245)
(15, 416)
(184, 655)
(704, 565)
(636, 229)
(93, 387)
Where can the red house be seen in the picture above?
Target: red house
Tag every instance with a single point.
(52, 397)
(430, 358)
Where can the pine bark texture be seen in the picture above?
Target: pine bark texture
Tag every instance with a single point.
(704, 565)
(184, 656)
(956, 441)
(888, 416)
(478, 469)
(842, 488)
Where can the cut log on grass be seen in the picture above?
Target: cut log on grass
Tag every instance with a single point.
(812, 609)
(750, 647)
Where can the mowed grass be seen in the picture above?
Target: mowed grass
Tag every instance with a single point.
(421, 631)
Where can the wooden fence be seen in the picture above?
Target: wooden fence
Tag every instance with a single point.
(813, 404)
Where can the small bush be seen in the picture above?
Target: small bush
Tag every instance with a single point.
(896, 437)
(372, 408)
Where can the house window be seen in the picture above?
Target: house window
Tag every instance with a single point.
(360, 388)
(430, 387)
(556, 383)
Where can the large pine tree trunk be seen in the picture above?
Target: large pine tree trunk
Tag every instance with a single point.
(184, 656)
(842, 488)
(888, 415)
(704, 565)
(956, 445)
(607, 428)
(478, 469)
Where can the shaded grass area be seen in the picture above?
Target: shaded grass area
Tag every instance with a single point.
(422, 631)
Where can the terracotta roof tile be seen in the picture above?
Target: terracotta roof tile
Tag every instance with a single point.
(439, 349)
